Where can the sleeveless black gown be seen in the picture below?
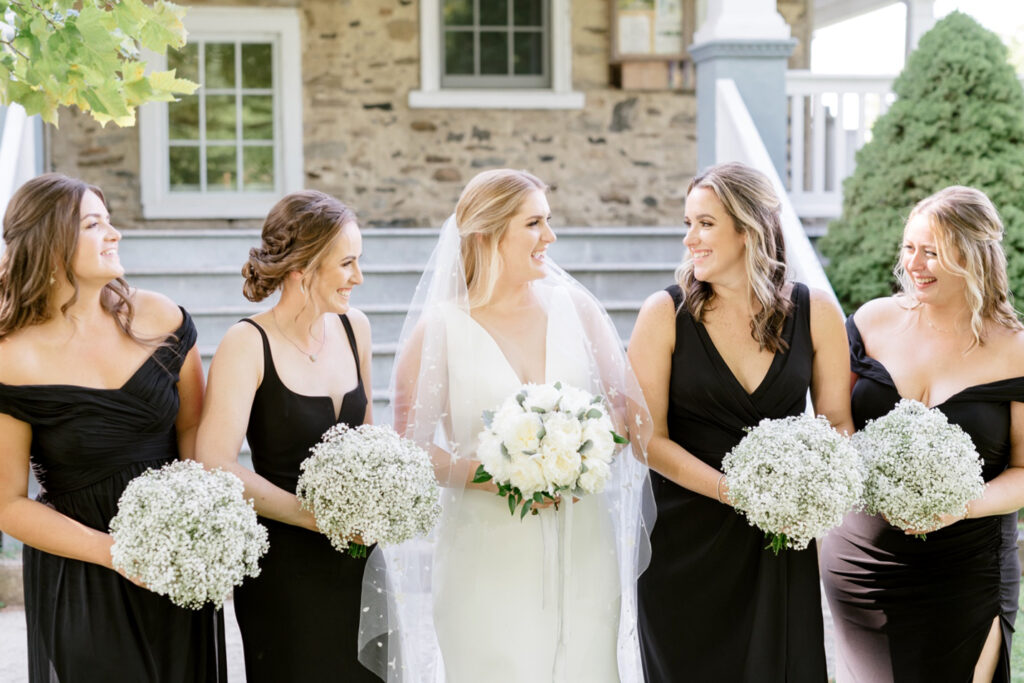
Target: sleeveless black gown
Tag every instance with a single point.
(87, 624)
(299, 618)
(715, 605)
(912, 610)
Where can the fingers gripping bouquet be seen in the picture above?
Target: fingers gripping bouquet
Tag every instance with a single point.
(187, 533)
(546, 440)
(369, 482)
(920, 466)
(794, 478)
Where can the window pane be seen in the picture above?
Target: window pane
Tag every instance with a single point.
(458, 52)
(220, 65)
(220, 117)
(185, 61)
(529, 54)
(494, 12)
(184, 169)
(458, 12)
(256, 66)
(527, 12)
(221, 169)
(258, 117)
(493, 53)
(258, 168)
(183, 118)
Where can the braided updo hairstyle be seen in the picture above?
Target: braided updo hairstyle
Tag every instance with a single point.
(297, 234)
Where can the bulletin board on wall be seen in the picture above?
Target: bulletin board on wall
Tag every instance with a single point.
(648, 43)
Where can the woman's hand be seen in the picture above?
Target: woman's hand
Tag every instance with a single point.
(941, 522)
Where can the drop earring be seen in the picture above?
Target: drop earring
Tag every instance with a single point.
(53, 280)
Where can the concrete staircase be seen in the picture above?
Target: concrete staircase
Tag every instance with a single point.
(201, 271)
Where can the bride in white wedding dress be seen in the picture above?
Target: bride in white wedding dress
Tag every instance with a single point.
(492, 597)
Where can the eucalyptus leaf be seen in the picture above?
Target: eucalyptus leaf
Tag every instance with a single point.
(481, 475)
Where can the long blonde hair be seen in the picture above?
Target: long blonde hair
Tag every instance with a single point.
(41, 227)
(485, 208)
(750, 200)
(969, 235)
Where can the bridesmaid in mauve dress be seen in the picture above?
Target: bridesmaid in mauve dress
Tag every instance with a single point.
(941, 609)
(731, 344)
(282, 378)
(98, 383)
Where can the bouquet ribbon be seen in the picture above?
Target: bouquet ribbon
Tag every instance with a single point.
(556, 530)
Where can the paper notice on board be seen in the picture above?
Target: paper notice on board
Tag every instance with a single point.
(634, 33)
(668, 27)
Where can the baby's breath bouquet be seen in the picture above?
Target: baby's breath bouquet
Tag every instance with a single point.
(187, 533)
(369, 481)
(544, 440)
(919, 466)
(794, 478)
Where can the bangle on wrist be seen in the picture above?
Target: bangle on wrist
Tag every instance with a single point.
(967, 510)
(718, 487)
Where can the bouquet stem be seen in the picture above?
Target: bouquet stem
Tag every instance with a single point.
(357, 550)
(776, 542)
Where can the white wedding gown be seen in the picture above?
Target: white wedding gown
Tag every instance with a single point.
(516, 600)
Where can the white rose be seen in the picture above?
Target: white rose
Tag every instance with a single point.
(489, 453)
(574, 400)
(559, 449)
(527, 475)
(596, 476)
(599, 434)
(541, 396)
(520, 433)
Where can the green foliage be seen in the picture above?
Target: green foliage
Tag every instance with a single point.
(958, 120)
(86, 53)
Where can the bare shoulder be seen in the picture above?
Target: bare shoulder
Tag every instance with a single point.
(360, 323)
(882, 314)
(155, 314)
(1009, 348)
(240, 339)
(656, 323)
(822, 301)
(659, 306)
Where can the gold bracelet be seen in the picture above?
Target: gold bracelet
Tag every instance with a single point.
(967, 510)
(718, 487)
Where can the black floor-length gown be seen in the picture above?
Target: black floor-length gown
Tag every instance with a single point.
(87, 624)
(300, 617)
(911, 610)
(715, 605)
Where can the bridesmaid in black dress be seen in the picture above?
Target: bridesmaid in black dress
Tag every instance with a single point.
(282, 378)
(98, 383)
(729, 345)
(940, 609)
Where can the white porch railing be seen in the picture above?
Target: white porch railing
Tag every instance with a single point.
(737, 139)
(830, 117)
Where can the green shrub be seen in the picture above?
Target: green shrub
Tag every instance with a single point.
(958, 120)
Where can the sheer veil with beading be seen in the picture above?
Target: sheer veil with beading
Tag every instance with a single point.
(397, 598)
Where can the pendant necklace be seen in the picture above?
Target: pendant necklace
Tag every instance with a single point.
(311, 355)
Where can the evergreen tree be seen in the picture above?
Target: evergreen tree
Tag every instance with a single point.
(958, 120)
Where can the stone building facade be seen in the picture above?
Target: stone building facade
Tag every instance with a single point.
(623, 159)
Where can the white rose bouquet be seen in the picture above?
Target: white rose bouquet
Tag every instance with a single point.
(794, 478)
(919, 466)
(187, 533)
(369, 481)
(545, 440)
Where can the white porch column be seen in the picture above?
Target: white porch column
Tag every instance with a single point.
(749, 42)
(920, 19)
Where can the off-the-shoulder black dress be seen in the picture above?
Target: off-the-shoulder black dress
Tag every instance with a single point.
(85, 622)
(907, 609)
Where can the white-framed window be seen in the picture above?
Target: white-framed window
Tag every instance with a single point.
(234, 147)
(507, 54)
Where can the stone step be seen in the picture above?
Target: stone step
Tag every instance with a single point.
(199, 249)
(221, 287)
(386, 320)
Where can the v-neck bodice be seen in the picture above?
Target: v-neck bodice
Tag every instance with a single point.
(709, 409)
(473, 354)
(284, 425)
(982, 410)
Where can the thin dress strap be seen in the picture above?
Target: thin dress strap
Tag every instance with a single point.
(352, 343)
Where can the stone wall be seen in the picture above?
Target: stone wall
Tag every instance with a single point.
(624, 159)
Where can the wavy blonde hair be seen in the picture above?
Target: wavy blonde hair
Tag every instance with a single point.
(485, 208)
(750, 200)
(968, 234)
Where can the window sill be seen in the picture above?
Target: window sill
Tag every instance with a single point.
(188, 205)
(495, 99)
